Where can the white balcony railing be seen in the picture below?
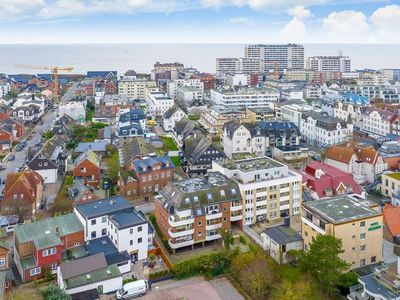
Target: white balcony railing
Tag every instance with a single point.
(177, 234)
(213, 237)
(236, 218)
(176, 222)
(214, 216)
(236, 207)
(179, 244)
(214, 226)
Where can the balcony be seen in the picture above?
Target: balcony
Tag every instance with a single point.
(179, 233)
(237, 207)
(214, 226)
(212, 237)
(261, 212)
(213, 215)
(261, 203)
(180, 243)
(236, 217)
(175, 221)
(356, 293)
(285, 190)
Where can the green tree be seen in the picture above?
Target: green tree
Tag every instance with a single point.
(53, 292)
(48, 134)
(322, 261)
(293, 290)
(113, 167)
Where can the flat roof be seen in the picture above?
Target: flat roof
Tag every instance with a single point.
(341, 209)
(103, 207)
(252, 164)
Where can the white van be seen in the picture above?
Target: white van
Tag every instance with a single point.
(133, 289)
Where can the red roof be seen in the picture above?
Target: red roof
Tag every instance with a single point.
(331, 178)
(391, 216)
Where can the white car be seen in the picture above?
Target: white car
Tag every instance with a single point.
(133, 289)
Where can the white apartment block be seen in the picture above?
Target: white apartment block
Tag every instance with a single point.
(343, 110)
(158, 103)
(136, 88)
(173, 86)
(377, 121)
(238, 65)
(269, 188)
(287, 56)
(312, 91)
(245, 97)
(76, 110)
(329, 63)
(186, 94)
(293, 112)
(323, 131)
(4, 89)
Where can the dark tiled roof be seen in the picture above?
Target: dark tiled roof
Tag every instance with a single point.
(283, 234)
(145, 165)
(103, 207)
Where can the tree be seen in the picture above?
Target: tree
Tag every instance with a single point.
(293, 290)
(113, 167)
(24, 293)
(48, 134)
(322, 261)
(291, 256)
(53, 292)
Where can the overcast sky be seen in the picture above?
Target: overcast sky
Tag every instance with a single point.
(203, 21)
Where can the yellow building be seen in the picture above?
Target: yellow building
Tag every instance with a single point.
(349, 219)
(390, 184)
(136, 88)
(260, 114)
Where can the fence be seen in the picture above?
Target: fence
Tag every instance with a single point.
(254, 235)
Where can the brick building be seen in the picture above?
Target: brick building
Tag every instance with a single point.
(87, 169)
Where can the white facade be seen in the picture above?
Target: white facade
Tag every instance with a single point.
(169, 122)
(246, 97)
(76, 110)
(158, 103)
(4, 89)
(274, 249)
(194, 84)
(378, 122)
(329, 63)
(269, 188)
(312, 92)
(237, 79)
(49, 175)
(238, 65)
(186, 94)
(293, 112)
(136, 88)
(314, 131)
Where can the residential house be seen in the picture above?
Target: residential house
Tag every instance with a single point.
(214, 118)
(87, 169)
(198, 154)
(22, 194)
(194, 211)
(6, 138)
(257, 114)
(4, 251)
(50, 161)
(149, 175)
(132, 123)
(134, 149)
(350, 220)
(391, 224)
(380, 122)
(17, 126)
(171, 116)
(278, 241)
(39, 246)
(322, 180)
(100, 148)
(27, 113)
(270, 189)
(259, 138)
(91, 272)
(80, 193)
(182, 130)
(115, 217)
(390, 184)
(106, 114)
(158, 103)
(76, 110)
(364, 163)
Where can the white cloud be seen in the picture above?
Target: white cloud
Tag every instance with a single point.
(276, 4)
(239, 20)
(212, 3)
(299, 12)
(346, 26)
(19, 7)
(295, 30)
(386, 21)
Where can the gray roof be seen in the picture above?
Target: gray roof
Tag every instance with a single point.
(184, 127)
(171, 111)
(127, 218)
(196, 146)
(283, 234)
(83, 266)
(135, 148)
(94, 146)
(103, 207)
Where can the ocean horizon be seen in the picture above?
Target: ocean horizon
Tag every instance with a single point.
(141, 57)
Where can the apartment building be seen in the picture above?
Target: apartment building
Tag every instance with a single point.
(293, 111)
(244, 97)
(337, 63)
(193, 211)
(260, 114)
(287, 56)
(195, 84)
(158, 103)
(391, 74)
(4, 89)
(343, 110)
(378, 121)
(321, 130)
(353, 221)
(238, 65)
(269, 188)
(136, 88)
(312, 91)
(390, 184)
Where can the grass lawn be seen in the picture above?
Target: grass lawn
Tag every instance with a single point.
(290, 273)
(194, 117)
(394, 175)
(176, 160)
(169, 143)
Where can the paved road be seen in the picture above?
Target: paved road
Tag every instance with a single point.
(70, 93)
(20, 157)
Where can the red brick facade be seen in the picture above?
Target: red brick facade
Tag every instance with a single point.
(88, 172)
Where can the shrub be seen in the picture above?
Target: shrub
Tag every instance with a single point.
(127, 280)
(53, 292)
(242, 239)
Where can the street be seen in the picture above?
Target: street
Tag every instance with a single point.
(70, 93)
(20, 157)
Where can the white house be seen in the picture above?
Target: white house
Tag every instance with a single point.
(378, 121)
(91, 272)
(116, 218)
(4, 89)
(158, 103)
(76, 110)
(171, 116)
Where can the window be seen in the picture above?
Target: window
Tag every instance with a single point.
(139, 240)
(104, 232)
(362, 224)
(362, 248)
(48, 252)
(131, 242)
(362, 236)
(373, 259)
(93, 222)
(93, 234)
(139, 229)
(199, 234)
(224, 219)
(34, 271)
(76, 244)
(54, 266)
(131, 231)
(362, 262)
(199, 223)
(2, 262)
(104, 219)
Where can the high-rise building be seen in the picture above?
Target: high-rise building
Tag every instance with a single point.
(287, 56)
(238, 65)
(338, 63)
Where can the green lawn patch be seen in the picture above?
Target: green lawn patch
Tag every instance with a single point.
(194, 117)
(169, 143)
(176, 160)
(290, 273)
(394, 175)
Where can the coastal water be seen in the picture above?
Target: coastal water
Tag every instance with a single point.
(141, 57)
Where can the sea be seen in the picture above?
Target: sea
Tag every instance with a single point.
(141, 57)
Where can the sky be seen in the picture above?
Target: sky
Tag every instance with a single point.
(199, 21)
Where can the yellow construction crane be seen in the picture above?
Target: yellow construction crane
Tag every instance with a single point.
(54, 70)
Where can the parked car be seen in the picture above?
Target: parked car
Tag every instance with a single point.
(133, 289)
(11, 157)
(2, 168)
